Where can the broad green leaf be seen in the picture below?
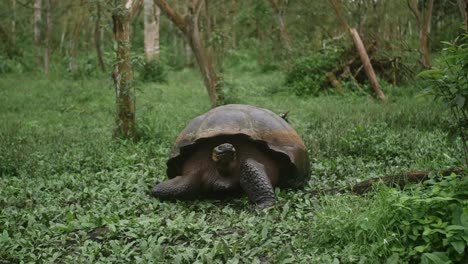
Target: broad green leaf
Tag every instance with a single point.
(431, 74)
(435, 258)
(420, 248)
(459, 246)
(455, 227)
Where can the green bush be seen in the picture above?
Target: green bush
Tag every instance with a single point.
(422, 224)
(154, 71)
(449, 83)
(434, 221)
(307, 76)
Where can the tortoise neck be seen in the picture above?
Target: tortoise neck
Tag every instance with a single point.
(226, 168)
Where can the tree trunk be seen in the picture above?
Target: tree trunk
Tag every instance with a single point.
(75, 40)
(64, 23)
(283, 33)
(463, 6)
(37, 29)
(260, 39)
(13, 23)
(367, 64)
(151, 19)
(204, 61)
(336, 4)
(232, 15)
(188, 24)
(47, 39)
(122, 73)
(188, 53)
(209, 29)
(97, 37)
(7, 43)
(426, 59)
(424, 24)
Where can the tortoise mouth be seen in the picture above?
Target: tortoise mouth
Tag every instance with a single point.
(224, 152)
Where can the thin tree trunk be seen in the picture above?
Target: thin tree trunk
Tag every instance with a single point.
(123, 73)
(367, 65)
(424, 24)
(151, 20)
(260, 39)
(64, 32)
(97, 37)
(463, 6)
(188, 24)
(283, 32)
(13, 23)
(425, 33)
(204, 60)
(233, 12)
(188, 54)
(7, 43)
(336, 4)
(47, 39)
(75, 40)
(157, 21)
(209, 28)
(37, 29)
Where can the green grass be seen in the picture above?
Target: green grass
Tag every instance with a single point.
(71, 193)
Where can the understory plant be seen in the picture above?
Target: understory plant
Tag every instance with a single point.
(434, 220)
(307, 76)
(449, 83)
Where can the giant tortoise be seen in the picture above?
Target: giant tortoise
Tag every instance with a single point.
(235, 148)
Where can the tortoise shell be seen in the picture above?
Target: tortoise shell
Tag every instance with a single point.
(260, 125)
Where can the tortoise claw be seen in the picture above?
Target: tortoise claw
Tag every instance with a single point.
(265, 204)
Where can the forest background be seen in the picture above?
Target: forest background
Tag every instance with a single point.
(94, 92)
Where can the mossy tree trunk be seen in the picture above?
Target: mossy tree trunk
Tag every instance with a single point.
(123, 74)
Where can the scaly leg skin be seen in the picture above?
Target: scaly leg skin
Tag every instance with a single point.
(255, 182)
(180, 187)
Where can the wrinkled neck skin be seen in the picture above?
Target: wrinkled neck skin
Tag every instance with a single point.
(226, 168)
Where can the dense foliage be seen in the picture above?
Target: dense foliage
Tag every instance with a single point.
(71, 193)
(307, 75)
(449, 83)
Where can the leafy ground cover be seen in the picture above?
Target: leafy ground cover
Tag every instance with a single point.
(70, 193)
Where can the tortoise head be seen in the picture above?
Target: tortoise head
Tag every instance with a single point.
(224, 156)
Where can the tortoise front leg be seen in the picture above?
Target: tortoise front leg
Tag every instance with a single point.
(180, 187)
(255, 182)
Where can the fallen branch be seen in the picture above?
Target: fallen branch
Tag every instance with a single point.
(345, 69)
(400, 180)
(367, 65)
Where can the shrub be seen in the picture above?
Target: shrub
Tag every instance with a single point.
(422, 224)
(154, 71)
(449, 83)
(307, 76)
(434, 221)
